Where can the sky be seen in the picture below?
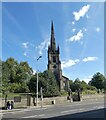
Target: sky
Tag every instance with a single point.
(78, 28)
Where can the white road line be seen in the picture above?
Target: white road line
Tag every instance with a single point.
(34, 116)
(24, 110)
(97, 107)
(68, 111)
(100, 107)
(78, 104)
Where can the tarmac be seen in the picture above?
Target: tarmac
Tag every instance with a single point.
(27, 108)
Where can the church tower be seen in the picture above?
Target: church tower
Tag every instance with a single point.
(54, 63)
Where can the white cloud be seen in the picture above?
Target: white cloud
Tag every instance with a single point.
(81, 13)
(87, 78)
(87, 16)
(69, 63)
(48, 43)
(25, 54)
(73, 29)
(97, 29)
(76, 37)
(73, 23)
(84, 29)
(34, 71)
(77, 60)
(25, 45)
(87, 59)
(43, 45)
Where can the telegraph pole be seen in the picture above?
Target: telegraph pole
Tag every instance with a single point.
(37, 85)
(41, 97)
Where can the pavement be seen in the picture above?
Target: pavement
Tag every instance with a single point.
(24, 109)
(90, 108)
(44, 106)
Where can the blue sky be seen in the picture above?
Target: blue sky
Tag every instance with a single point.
(79, 31)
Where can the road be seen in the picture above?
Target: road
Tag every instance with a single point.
(83, 109)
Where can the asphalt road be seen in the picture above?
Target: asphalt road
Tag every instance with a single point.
(83, 109)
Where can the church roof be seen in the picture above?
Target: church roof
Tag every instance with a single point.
(65, 77)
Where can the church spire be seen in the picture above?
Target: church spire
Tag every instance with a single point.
(52, 28)
(53, 44)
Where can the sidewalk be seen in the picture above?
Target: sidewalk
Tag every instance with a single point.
(84, 99)
(24, 108)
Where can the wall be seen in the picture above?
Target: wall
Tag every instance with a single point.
(48, 101)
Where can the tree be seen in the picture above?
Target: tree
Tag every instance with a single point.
(32, 84)
(83, 85)
(98, 81)
(11, 65)
(76, 85)
(15, 76)
(48, 83)
(52, 89)
(24, 72)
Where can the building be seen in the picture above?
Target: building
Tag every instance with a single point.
(54, 63)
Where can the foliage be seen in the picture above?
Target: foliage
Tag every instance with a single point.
(91, 88)
(19, 87)
(89, 92)
(18, 77)
(64, 93)
(48, 83)
(15, 76)
(82, 85)
(77, 84)
(98, 81)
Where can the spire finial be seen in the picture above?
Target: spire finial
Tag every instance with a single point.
(52, 28)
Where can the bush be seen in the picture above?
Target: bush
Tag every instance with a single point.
(91, 88)
(89, 92)
(63, 93)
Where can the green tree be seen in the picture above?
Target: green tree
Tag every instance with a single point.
(76, 85)
(98, 81)
(24, 72)
(48, 83)
(15, 76)
(11, 65)
(83, 85)
(32, 84)
(52, 88)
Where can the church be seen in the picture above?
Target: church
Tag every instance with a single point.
(54, 63)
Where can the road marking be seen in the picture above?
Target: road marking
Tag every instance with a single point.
(78, 104)
(98, 107)
(20, 111)
(34, 116)
(71, 110)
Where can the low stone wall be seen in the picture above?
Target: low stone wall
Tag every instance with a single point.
(23, 102)
(48, 101)
(92, 96)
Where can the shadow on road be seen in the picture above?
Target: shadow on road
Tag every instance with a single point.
(93, 114)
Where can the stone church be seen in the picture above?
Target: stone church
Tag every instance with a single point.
(54, 63)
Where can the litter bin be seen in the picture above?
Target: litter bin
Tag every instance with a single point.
(53, 102)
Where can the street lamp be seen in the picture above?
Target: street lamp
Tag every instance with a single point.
(37, 85)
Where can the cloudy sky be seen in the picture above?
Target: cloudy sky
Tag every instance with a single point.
(79, 31)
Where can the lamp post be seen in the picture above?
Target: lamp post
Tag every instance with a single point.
(37, 85)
